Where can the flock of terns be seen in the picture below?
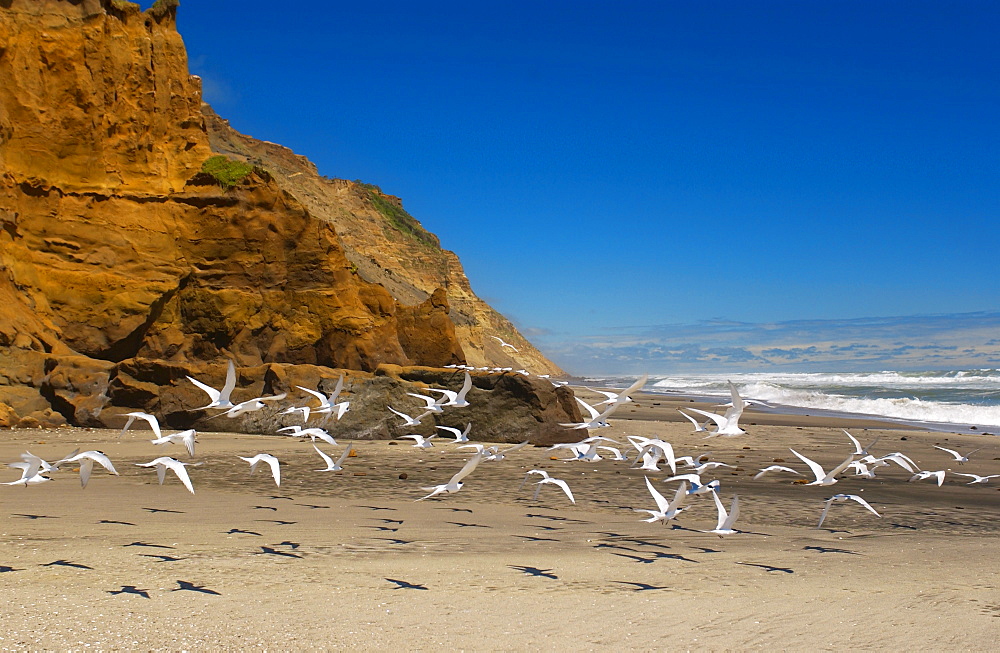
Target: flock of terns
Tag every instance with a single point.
(648, 454)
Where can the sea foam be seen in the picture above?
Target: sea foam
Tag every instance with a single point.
(961, 397)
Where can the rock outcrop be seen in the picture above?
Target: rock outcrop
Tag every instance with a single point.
(124, 267)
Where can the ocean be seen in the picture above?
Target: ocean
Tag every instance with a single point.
(938, 399)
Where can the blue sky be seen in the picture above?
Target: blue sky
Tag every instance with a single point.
(606, 170)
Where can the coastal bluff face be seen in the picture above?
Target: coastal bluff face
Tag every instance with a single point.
(115, 247)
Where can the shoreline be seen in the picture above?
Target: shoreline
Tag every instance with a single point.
(777, 414)
(350, 559)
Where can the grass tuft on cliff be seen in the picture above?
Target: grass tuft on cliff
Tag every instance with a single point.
(161, 7)
(226, 171)
(125, 5)
(397, 217)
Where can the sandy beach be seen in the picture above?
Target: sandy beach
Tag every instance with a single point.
(350, 560)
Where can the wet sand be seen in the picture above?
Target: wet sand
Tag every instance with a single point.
(350, 560)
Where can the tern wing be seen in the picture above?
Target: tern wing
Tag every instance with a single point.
(951, 451)
(86, 467)
(734, 513)
(229, 385)
(826, 509)
(212, 393)
(516, 447)
(565, 488)
(590, 409)
(857, 445)
(661, 502)
(275, 468)
(470, 465)
(863, 503)
(734, 411)
(814, 466)
(181, 471)
(718, 419)
(338, 389)
(466, 386)
(327, 459)
(722, 512)
(841, 467)
(343, 456)
(319, 395)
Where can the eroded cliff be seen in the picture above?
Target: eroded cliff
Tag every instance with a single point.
(388, 247)
(118, 254)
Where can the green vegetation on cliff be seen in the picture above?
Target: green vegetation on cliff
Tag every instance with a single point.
(398, 217)
(226, 171)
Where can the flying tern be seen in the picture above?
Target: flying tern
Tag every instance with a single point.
(421, 441)
(332, 466)
(186, 438)
(976, 478)
(844, 497)
(548, 480)
(87, 460)
(504, 344)
(220, 398)
(959, 458)
(164, 463)
(271, 461)
(776, 468)
(822, 478)
(729, 423)
(455, 484)
(726, 520)
(410, 421)
(151, 419)
(460, 436)
(665, 510)
(922, 476)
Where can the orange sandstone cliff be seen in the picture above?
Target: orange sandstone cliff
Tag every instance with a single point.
(116, 249)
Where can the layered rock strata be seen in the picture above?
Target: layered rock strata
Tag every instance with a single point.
(118, 256)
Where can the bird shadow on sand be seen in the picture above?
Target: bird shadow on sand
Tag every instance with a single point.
(535, 538)
(406, 585)
(29, 516)
(903, 526)
(130, 589)
(191, 587)
(240, 531)
(768, 568)
(312, 506)
(375, 507)
(156, 510)
(641, 587)
(657, 555)
(4, 569)
(279, 522)
(385, 520)
(394, 540)
(267, 550)
(65, 563)
(534, 571)
(829, 549)
(115, 521)
(161, 558)
(276, 497)
(456, 509)
(271, 508)
(534, 515)
(464, 525)
(147, 545)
